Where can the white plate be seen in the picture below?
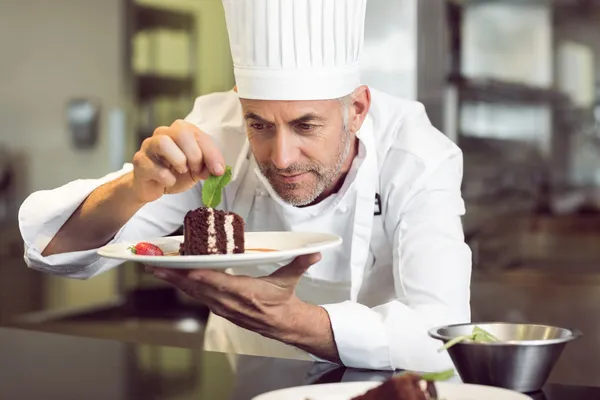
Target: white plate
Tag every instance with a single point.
(346, 391)
(287, 246)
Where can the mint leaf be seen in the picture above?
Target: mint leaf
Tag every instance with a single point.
(454, 341)
(479, 336)
(439, 376)
(212, 188)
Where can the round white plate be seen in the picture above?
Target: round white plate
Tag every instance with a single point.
(346, 391)
(286, 246)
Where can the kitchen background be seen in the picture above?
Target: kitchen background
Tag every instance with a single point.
(516, 83)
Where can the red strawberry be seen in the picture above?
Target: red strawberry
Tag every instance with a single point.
(146, 249)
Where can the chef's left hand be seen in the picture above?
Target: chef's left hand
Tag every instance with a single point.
(266, 305)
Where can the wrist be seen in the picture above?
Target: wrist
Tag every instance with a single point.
(306, 323)
(131, 192)
(311, 331)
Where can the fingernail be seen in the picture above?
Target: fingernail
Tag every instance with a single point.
(218, 169)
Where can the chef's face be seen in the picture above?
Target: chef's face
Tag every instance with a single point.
(304, 147)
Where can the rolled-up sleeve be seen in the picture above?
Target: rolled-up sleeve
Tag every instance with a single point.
(44, 212)
(432, 274)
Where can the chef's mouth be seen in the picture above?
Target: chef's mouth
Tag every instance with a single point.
(291, 175)
(291, 178)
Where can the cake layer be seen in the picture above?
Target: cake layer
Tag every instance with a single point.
(210, 231)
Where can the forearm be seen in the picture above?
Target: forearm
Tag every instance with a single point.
(310, 330)
(98, 218)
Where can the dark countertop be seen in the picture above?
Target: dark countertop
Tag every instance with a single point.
(36, 365)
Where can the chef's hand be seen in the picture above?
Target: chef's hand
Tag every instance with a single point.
(266, 305)
(173, 159)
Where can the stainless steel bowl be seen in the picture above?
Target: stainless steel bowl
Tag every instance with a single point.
(521, 361)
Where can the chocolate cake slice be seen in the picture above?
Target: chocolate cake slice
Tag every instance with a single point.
(210, 231)
(407, 386)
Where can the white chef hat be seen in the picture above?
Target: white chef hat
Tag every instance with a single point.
(295, 49)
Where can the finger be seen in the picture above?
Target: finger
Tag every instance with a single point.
(179, 279)
(146, 169)
(220, 281)
(188, 280)
(163, 149)
(204, 173)
(226, 303)
(173, 276)
(162, 130)
(213, 159)
(290, 274)
(186, 141)
(238, 295)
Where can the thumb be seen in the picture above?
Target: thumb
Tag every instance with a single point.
(290, 274)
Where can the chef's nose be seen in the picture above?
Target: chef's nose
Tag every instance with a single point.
(284, 150)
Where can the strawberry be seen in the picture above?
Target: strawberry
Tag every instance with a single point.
(146, 249)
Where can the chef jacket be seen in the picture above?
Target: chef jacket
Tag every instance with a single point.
(402, 269)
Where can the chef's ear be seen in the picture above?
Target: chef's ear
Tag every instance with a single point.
(235, 88)
(361, 103)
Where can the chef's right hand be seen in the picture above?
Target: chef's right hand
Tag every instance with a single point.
(173, 159)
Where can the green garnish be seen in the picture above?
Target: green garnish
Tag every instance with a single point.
(479, 336)
(438, 376)
(212, 188)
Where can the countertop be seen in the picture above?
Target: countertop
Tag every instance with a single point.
(38, 365)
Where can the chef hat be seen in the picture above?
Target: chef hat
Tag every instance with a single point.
(295, 49)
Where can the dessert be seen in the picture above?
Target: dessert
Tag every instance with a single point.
(207, 230)
(407, 386)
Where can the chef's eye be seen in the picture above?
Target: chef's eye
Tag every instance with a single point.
(305, 127)
(257, 126)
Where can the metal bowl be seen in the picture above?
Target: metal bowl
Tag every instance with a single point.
(521, 361)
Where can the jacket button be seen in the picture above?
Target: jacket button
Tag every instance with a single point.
(343, 209)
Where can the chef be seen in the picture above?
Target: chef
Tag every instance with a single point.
(312, 149)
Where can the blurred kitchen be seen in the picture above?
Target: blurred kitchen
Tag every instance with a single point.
(515, 83)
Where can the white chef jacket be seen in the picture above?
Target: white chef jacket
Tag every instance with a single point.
(403, 267)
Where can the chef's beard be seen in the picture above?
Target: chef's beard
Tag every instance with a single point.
(324, 175)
